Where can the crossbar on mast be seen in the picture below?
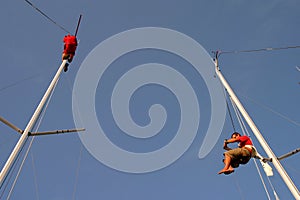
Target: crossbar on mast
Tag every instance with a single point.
(56, 132)
(5, 170)
(11, 125)
(288, 154)
(39, 133)
(293, 189)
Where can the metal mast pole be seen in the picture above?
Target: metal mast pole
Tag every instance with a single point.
(19, 145)
(258, 135)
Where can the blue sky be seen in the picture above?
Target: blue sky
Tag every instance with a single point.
(30, 54)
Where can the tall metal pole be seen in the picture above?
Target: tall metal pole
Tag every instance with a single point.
(259, 136)
(21, 142)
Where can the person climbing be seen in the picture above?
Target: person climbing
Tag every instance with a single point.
(234, 157)
(70, 45)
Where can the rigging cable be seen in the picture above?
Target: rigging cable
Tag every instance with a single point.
(36, 8)
(219, 52)
(19, 171)
(9, 177)
(30, 144)
(228, 108)
(77, 172)
(35, 177)
(237, 185)
(81, 146)
(18, 82)
(227, 104)
(246, 132)
(271, 110)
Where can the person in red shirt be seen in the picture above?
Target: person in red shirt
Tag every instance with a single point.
(240, 155)
(70, 45)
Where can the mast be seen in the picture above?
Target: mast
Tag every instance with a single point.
(291, 186)
(25, 134)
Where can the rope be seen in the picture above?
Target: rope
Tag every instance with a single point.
(30, 145)
(227, 104)
(228, 108)
(245, 132)
(240, 120)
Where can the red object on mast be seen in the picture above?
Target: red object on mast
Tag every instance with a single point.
(70, 45)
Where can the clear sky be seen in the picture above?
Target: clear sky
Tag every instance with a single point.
(60, 167)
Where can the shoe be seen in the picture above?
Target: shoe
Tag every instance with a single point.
(70, 58)
(66, 67)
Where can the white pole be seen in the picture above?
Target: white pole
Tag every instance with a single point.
(29, 126)
(259, 136)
